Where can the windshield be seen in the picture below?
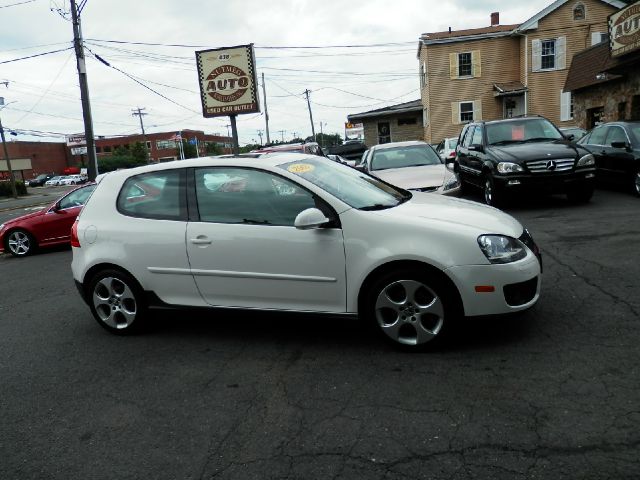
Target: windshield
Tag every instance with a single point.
(407, 156)
(353, 187)
(519, 131)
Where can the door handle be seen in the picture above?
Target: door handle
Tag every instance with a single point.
(201, 240)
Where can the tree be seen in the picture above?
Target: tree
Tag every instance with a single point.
(213, 148)
(189, 149)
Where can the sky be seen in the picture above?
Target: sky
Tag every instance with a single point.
(379, 68)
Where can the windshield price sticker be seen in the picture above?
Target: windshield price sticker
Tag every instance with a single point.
(300, 168)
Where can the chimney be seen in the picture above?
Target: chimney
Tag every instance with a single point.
(495, 19)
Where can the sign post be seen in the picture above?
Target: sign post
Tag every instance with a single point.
(228, 85)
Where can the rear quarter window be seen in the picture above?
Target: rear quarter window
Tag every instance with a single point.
(157, 195)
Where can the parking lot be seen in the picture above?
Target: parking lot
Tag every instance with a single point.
(552, 393)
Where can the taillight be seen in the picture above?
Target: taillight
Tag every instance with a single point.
(74, 235)
(452, 154)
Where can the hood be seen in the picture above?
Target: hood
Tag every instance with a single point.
(481, 217)
(28, 216)
(524, 152)
(423, 176)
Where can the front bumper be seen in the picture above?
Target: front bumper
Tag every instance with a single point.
(553, 182)
(516, 286)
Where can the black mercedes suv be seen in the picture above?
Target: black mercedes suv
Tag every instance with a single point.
(529, 153)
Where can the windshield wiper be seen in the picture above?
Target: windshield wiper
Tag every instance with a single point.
(540, 139)
(376, 206)
(506, 142)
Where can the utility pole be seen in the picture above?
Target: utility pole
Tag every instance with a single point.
(313, 129)
(92, 168)
(137, 112)
(260, 135)
(266, 112)
(321, 136)
(282, 132)
(12, 178)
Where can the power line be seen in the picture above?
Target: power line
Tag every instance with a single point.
(181, 45)
(36, 55)
(14, 4)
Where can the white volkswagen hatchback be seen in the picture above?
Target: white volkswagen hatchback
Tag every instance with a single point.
(293, 232)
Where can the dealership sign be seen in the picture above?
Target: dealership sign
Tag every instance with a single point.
(624, 30)
(227, 79)
(76, 140)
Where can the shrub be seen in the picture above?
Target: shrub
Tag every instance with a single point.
(5, 188)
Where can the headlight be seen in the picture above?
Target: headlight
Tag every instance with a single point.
(509, 167)
(587, 161)
(501, 249)
(1, 226)
(451, 182)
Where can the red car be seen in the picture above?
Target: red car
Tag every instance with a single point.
(48, 227)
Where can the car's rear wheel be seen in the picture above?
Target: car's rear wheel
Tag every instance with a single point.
(117, 301)
(20, 243)
(410, 309)
(636, 183)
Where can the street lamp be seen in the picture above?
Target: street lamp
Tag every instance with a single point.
(12, 179)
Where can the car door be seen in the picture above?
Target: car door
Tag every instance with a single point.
(56, 223)
(463, 154)
(244, 250)
(618, 162)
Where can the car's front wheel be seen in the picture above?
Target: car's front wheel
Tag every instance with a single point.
(493, 195)
(410, 308)
(117, 301)
(20, 243)
(636, 183)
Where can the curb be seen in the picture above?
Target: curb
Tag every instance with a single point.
(8, 209)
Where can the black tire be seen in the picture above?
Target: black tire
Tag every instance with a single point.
(411, 309)
(581, 194)
(492, 194)
(20, 243)
(117, 302)
(636, 183)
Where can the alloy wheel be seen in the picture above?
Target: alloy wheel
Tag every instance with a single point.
(114, 302)
(637, 182)
(409, 312)
(19, 243)
(488, 191)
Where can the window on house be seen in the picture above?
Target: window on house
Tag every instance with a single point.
(599, 37)
(425, 117)
(422, 75)
(98, 149)
(148, 145)
(548, 56)
(466, 112)
(107, 149)
(566, 106)
(407, 121)
(465, 66)
(164, 144)
(579, 12)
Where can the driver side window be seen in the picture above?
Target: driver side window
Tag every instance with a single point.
(253, 197)
(76, 198)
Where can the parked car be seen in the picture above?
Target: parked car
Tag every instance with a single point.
(341, 159)
(48, 227)
(508, 156)
(412, 165)
(447, 148)
(301, 233)
(573, 133)
(75, 179)
(616, 148)
(55, 181)
(309, 147)
(352, 150)
(40, 179)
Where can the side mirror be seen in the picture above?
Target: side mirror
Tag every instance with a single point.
(476, 147)
(624, 145)
(310, 218)
(570, 137)
(56, 208)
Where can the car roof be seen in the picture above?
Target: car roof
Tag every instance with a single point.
(266, 160)
(384, 146)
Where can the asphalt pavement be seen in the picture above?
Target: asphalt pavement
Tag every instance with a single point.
(550, 394)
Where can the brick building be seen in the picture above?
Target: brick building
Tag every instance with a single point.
(29, 159)
(163, 146)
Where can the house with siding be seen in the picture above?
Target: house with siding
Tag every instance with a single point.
(395, 123)
(503, 71)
